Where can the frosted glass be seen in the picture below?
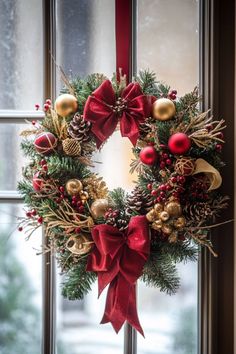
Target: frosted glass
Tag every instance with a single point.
(21, 54)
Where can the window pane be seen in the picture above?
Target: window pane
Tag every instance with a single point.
(20, 286)
(85, 44)
(168, 45)
(11, 157)
(21, 54)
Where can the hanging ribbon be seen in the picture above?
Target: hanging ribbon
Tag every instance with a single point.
(118, 258)
(104, 111)
(123, 19)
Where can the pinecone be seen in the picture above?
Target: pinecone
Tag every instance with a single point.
(79, 128)
(71, 147)
(138, 202)
(197, 212)
(145, 128)
(117, 218)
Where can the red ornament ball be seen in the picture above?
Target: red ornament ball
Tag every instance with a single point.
(179, 143)
(37, 182)
(45, 143)
(148, 155)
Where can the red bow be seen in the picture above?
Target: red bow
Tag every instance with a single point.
(104, 110)
(119, 257)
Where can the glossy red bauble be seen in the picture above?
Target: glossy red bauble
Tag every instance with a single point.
(37, 182)
(45, 143)
(179, 143)
(148, 155)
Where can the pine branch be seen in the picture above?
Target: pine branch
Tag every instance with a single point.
(161, 272)
(118, 196)
(28, 148)
(77, 281)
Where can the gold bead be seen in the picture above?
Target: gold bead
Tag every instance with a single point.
(151, 215)
(66, 104)
(157, 225)
(73, 186)
(164, 216)
(79, 245)
(173, 237)
(167, 229)
(180, 223)
(99, 208)
(158, 207)
(173, 208)
(163, 109)
(84, 196)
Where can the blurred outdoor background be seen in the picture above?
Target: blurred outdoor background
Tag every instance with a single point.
(167, 43)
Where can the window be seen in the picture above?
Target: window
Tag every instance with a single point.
(75, 33)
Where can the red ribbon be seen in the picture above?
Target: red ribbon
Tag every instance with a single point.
(123, 36)
(118, 258)
(104, 111)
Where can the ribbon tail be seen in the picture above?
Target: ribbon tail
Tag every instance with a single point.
(121, 305)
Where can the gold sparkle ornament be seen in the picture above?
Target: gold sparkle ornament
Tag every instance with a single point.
(66, 104)
(99, 208)
(173, 208)
(167, 229)
(163, 109)
(79, 245)
(84, 196)
(157, 225)
(74, 186)
(164, 216)
(152, 215)
(180, 223)
(158, 207)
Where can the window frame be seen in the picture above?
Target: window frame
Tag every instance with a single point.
(216, 277)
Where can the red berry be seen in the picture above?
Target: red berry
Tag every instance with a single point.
(62, 196)
(174, 92)
(168, 162)
(43, 162)
(78, 230)
(182, 179)
(173, 179)
(74, 203)
(162, 165)
(40, 220)
(148, 155)
(33, 212)
(37, 106)
(218, 147)
(165, 155)
(62, 189)
(159, 199)
(172, 96)
(28, 214)
(209, 127)
(33, 122)
(46, 107)
(45, 167)
(163, 146)
(20, 228)
(81, 208)
(162, 187)
(220, 135)
(106, 215)
(179, 143)
(149, 186)
(154, 192)
(162, 194)
(168, 187)
(58, 200)
(49, 102)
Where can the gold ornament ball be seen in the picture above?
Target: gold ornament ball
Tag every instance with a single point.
(151, 215)
(66, 104)
(185, 166)
(164, 216)
(158, 207)
(79, 244)
(84, 195)
(163, 109)
(99, 208)
(167, 229)
(173, 209)
(157, 225)
(73, 187)
(180, 223)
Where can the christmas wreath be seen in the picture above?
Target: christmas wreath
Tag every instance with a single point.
(109, 235)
